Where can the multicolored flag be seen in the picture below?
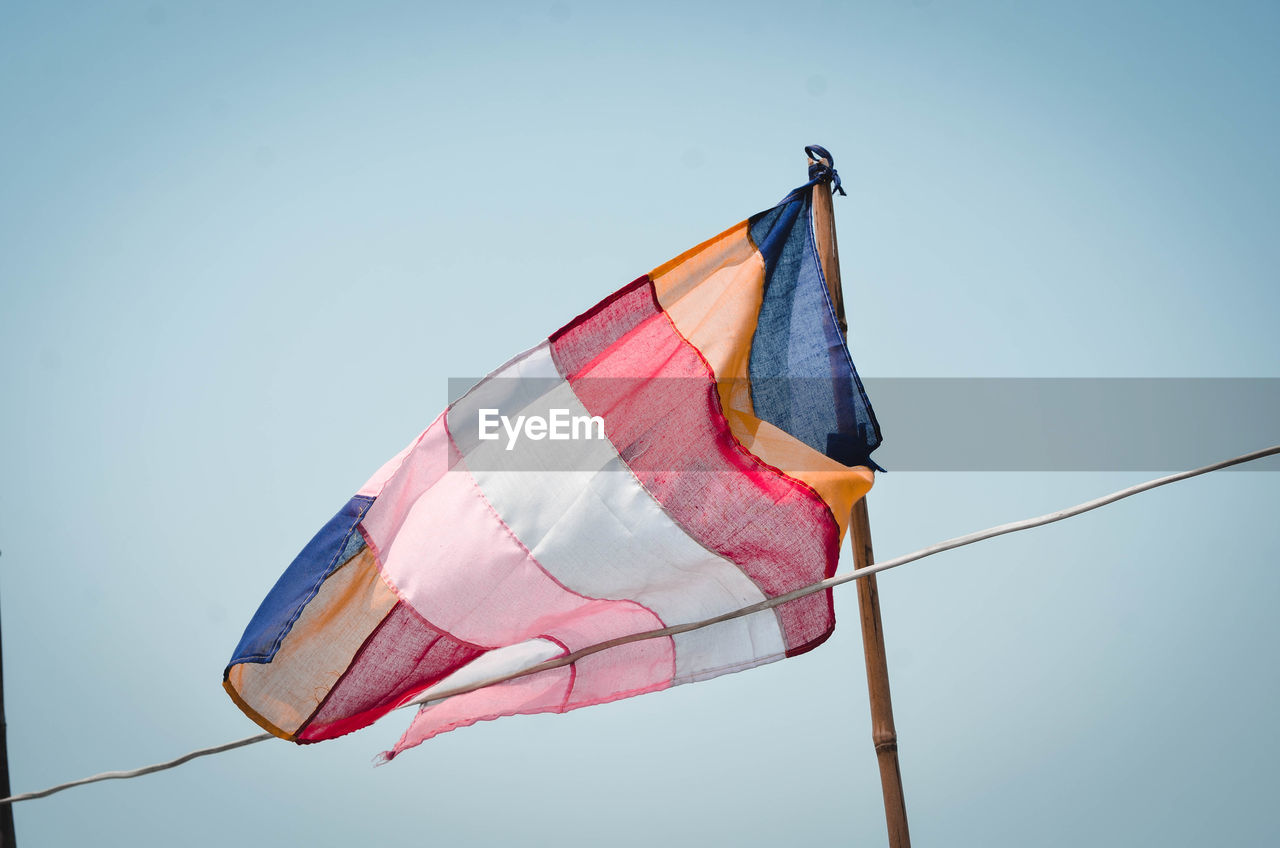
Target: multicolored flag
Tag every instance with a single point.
(690, 445)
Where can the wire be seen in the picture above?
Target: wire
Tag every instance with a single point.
(139, 772)
(837, 580)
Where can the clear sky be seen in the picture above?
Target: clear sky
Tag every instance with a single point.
(243, 246)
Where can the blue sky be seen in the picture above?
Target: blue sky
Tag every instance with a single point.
(244, 246)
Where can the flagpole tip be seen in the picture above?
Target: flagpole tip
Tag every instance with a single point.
(822, 167)
(819, 155)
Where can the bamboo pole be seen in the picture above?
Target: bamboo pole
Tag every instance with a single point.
(883, 734)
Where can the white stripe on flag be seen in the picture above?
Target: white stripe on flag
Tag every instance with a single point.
(599, 532)
(493, 664)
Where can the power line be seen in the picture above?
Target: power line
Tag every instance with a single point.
(837, 580)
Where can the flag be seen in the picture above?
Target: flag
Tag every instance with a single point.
(690, 445)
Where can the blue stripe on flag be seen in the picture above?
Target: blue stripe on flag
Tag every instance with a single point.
(337, 542)
(802, 377)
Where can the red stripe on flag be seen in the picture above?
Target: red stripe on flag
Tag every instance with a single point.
(591, 333)
(402, 657)
(628, 364)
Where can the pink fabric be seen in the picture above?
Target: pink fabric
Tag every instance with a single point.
(639, 665)
(617, 673)
(403, 657)
(628, 364)
(590, 334)
(537, 693)
(402, 480)
(373, 486)
(449, 556)
(621, 672)
(590, 681)
(453, 560)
